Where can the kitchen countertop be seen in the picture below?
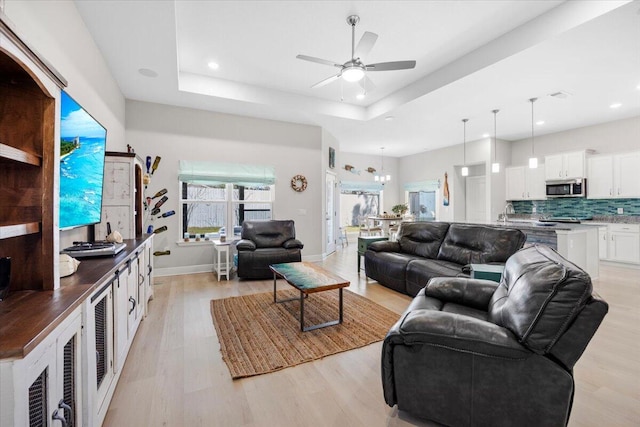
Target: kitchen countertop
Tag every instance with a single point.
(532, 224)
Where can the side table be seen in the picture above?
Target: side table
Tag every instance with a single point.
(221, 261)
(363, 244)
(487, 271)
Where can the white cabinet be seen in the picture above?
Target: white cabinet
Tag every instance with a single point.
(524, 183)
(616, 176)
(626, 175)
(45, 388)
(122, 204)
(620, 243)
(624, 243)
(603, 243)
(565, 166)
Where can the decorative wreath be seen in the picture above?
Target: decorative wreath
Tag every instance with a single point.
(299, 183)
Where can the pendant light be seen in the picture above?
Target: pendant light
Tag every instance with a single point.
(382, 178)
(495, 166)
(465, 170)
(533, 160)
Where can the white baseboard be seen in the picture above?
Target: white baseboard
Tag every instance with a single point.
(208, 268)
(187, 269)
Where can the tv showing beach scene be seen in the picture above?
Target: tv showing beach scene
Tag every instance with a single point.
(82, 151)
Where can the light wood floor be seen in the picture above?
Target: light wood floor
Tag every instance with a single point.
(175, 376)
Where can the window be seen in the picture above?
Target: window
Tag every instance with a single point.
(219, 197)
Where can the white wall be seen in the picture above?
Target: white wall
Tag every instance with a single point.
(56, 31)
(611, 137)
(176, 133)
(392, 194)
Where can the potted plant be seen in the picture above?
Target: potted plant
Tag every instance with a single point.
(400, 209)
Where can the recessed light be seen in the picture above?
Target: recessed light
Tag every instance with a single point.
(638, 87)
(485, 135)
(360, 96)
(540, 122)
(616, 105)
(147, 72)
(213, 65)
(389, 118)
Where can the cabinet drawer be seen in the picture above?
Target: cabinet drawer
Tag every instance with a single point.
(624, 228)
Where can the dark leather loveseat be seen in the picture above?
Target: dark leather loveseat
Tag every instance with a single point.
(266, 242)
(471, 352)
(433, 249)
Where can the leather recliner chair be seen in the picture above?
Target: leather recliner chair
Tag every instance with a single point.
(266, 242)
(471, 352)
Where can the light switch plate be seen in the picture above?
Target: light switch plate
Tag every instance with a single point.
(620, 211)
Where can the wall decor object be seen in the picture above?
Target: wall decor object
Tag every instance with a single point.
(332, 157)
(371, 170)
(445, 191)
(351, 169)
(299, 183)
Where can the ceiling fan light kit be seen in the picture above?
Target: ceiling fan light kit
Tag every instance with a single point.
(355, 70)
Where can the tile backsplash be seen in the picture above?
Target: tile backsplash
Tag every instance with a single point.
(577, 207)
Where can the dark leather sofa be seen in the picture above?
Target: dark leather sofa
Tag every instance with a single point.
(470, 352)
(433, 249)
(266, 242)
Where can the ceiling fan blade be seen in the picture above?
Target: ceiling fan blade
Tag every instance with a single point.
(318, 60)
(367, 84)
(387, 66)
(365, 44)
(326, 81)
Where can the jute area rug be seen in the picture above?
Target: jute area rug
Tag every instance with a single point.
(258, 336)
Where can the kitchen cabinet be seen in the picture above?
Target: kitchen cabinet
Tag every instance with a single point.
(614, 176)
(624, 243)
(44, 388)
(603, 243)
(565, 166)
(620, 243)
(524, 183)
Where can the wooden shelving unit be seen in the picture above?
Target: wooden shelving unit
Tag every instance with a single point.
(27, 162)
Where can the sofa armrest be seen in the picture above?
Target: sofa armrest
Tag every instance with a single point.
(384, 246)
(292, 244)
(474, 293)
(449, 332)
(245, 245)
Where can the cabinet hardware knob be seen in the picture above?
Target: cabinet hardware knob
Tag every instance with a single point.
(63, 405)
(133, 302)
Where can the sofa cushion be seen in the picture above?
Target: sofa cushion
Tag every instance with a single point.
(268, 234)
(479, 244)
(420, 271)
(422, 238)
(539, 296)
(389, 268)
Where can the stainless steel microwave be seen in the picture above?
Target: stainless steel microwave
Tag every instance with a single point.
(570, 188)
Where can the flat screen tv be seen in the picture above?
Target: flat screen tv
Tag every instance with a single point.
(82, 150)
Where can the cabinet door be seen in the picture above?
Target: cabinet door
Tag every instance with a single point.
(574, 165)
(600, 177)
(535, 183)
(69, 373)
(121, 307)
(603, 243)
(625, 247)
(35, 385)
(627, 175)
(554, 167)
(515, 183)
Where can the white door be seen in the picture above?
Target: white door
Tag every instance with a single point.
(330, 212)
(476, 199)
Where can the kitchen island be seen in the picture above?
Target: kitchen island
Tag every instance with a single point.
(576, 242)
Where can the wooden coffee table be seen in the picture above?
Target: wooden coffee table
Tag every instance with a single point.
(308, 278)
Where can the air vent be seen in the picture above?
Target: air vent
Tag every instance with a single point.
(560, 94)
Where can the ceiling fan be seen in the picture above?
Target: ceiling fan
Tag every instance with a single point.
(355, 70)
